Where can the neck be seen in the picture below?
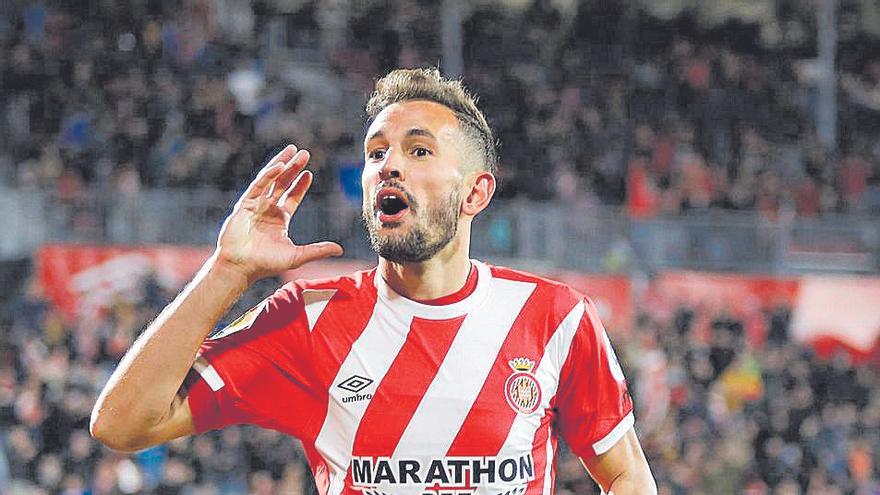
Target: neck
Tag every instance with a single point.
(440, 276)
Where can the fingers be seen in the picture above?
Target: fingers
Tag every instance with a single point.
(269, 173)
(263, 181)
(294, 194)
(291, 170)
(284, 155)
(312, 252)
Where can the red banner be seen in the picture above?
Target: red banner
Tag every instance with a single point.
(611, 294)
(83, 281)
(830, 313)
(839, 313)
(745, 297)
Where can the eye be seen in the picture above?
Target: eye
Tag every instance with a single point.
(376, 154)
(422, 152)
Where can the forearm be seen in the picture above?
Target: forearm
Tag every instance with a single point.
(139, 406)
(623, 469)
(141, 392)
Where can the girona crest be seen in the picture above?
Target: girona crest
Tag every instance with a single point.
(522, 390)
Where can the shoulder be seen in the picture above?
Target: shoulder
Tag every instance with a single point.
(359, 282)
(298, 303)
(554, 288)
(553, 294)
(345, 297)
(507, 273)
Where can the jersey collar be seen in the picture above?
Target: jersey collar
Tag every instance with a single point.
(402, 304)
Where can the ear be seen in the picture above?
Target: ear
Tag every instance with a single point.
(480, 194)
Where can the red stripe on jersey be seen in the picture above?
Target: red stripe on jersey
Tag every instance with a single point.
(202, 402)
(487, 424)
(554, 444)
(554, 439)
(403, 387)
(341, 323)
(539, 454)
(591, 401)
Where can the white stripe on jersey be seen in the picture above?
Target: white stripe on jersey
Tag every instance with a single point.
(522, 432)
(371, 356)
(403, 306)
(209, 374)
(463, 372)
(615, 434)
(315, 301)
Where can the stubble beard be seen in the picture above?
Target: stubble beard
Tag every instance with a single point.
(426, 237)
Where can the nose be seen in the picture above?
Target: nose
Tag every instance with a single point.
(392, 167)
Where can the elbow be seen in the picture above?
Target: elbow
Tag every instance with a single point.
(109, 429)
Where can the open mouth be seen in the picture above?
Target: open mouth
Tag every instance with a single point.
(392, 204)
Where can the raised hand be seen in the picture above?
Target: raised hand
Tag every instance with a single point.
(254, 239)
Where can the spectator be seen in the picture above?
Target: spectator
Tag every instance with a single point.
(134, 96)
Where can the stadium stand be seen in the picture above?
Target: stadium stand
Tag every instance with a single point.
(681, 119)
(598, 105)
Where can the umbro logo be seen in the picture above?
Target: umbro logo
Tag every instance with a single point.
(355, 383)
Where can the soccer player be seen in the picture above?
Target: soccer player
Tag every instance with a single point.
(429, 374)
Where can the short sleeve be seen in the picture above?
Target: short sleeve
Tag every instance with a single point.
(594, 407)
(254, 370)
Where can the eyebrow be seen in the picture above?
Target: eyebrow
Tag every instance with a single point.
(415, 131)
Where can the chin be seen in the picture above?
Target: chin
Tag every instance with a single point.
(390, 233)
(391, 225)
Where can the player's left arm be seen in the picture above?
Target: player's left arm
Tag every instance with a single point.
(623, 469)
(595, 410)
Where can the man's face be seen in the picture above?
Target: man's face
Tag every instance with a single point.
(412, 180)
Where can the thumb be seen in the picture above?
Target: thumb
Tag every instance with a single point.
(311, 252)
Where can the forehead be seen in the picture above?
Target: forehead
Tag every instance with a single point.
(416, 114)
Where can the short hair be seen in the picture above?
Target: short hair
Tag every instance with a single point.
(427, 84)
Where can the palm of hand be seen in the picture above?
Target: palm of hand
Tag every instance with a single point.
(254, 238)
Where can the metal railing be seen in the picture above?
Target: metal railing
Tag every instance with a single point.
(547, 234)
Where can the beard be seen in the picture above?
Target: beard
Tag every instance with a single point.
(430, 233)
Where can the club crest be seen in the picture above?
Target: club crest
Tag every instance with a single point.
(522, 390)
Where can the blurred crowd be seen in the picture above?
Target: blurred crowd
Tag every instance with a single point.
(125, 95)
(50, 373)
(723, 412)
(718, 412)
(594, 106)
(595, 102)
(619, 108)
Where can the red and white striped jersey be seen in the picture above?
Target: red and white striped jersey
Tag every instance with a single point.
(390, 396)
